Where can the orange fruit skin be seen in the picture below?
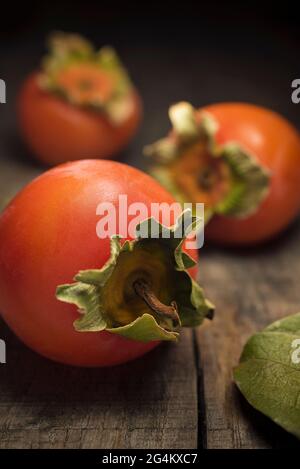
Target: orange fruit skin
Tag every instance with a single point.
(276, 144)
(57, 132)
(47, 234)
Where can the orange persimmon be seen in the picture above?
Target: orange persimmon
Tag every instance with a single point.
(241, 160)
(128, 295)
(81, 104)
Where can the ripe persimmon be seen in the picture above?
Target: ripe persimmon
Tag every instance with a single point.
(81, 104)
(131, 293)
(241, 160)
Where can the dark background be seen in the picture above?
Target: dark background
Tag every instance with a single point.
(206, 53)
(203, 52)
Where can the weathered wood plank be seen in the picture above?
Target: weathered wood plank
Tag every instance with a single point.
(250, 290)
(150, 403)
(144, 404)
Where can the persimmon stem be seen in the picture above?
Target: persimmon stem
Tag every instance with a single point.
(143, 290)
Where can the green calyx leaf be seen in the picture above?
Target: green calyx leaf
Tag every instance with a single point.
(107, 298)
(69, 50)
(248, 180)
(269, 372)
(163, 176)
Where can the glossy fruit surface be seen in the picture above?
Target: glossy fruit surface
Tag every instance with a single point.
(57, 131)
(242, 161)
(47, 235)
(81, 104)
(276, 144)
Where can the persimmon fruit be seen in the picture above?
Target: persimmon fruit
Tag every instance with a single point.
(81, 104)
(128, 293)
(241, 160)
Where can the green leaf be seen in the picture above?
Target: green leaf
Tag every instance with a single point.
(146, 329)
(269, 373)
(106, 298)
(162, 175)
(184, 122)
(67, 50)
(99, 277)
(248, 180)
(85, 297)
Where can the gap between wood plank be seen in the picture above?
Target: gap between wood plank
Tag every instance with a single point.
(201, 410)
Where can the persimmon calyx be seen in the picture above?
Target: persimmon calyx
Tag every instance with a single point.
(84, 77)
(189, 163)
(144, 291)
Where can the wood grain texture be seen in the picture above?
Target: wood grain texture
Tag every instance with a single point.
(178, 396)
(150, 403)
(250, 289)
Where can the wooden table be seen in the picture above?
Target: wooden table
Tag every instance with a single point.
(178, 396)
